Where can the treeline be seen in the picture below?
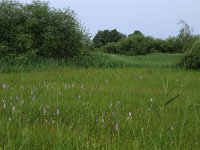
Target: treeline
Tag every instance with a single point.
(114, 42)
(29, 31)
(139, 44)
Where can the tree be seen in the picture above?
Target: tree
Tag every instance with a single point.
(37, 30)
(107, 36)
(137, 32)
(185, 35)
(191, 59)
(185, 31)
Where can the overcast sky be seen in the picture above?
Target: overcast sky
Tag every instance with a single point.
(156, 18)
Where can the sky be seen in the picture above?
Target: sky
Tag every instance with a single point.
(156, 18)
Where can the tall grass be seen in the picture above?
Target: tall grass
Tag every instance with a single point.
(95, 60)
(120, 108)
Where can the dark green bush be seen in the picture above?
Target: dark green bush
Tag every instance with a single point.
(133, 45)
(102, 38)
(191, 59)
(172, 45)
(37, 30)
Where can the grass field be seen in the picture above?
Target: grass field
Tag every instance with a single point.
(107, 108)
(97, 60)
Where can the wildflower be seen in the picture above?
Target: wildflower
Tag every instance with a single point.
(57, 112)
(44, 110)
(140, 77)
(13, 109)
(9, 119)
(4, 86)
(102, 120)
(117, 103)
(151, 100)
(4, 106)
(117, 127)
(79, 96)
(113, 114)
(129, 116)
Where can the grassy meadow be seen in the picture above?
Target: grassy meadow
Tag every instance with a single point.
(142, 104)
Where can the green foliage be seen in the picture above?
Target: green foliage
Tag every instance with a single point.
(172, 45)
(191, 60)
(107, 36)
(133, 45)
(136, 32)
(37, 30)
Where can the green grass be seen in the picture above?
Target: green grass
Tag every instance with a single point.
(119, 108)
(156, 60)
(96, 60)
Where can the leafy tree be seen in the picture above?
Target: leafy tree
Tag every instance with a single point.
(37, 30)
(185, 35)
(137, 32)
(133, 45)
(191, 59)
(107, 36)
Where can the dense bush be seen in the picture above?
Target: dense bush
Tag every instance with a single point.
(172, 45)
(191, 60)
(133, 45)
(36, 29)
(107, 36)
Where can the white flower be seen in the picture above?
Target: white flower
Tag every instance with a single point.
(151, 100)
(44, 110)
(13, 109)
(102, 120)
(4, 106)
(129, 116)
(57, 112)
(117, 126)
(4, 86)
(118, 103)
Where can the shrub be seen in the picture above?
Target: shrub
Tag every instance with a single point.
(172, 45)
(107, 36)
(133, 45)
(37, 30)
(191, 60)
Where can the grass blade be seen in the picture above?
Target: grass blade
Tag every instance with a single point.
(172, 99)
